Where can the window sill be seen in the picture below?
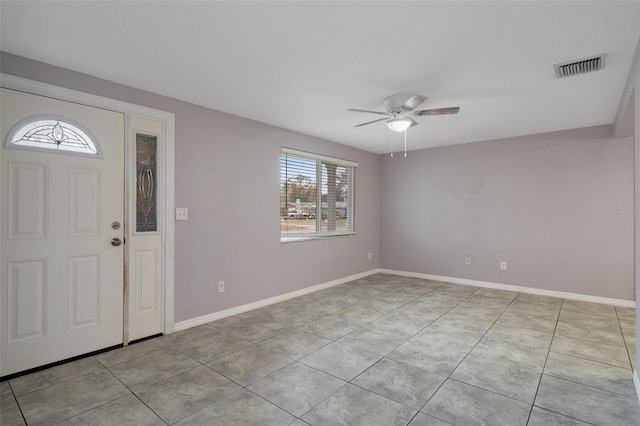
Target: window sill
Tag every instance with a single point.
(316, 237)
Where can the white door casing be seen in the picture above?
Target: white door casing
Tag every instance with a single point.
(62, 279)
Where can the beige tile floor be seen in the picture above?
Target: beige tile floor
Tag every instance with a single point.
(382, 350)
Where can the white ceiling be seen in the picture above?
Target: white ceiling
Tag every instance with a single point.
(300, 65)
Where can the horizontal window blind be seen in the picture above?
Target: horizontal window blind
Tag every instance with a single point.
(317, 196)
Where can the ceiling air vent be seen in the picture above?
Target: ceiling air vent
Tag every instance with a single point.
(582, 66)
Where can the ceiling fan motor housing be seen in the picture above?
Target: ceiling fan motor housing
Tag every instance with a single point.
(396, 112)
(395, 102)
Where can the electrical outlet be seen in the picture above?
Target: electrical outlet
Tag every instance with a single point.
(369, 256)
(182, 213)
(220, 286)
(503, 266)
(467, 261)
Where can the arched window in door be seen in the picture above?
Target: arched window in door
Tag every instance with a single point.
(54, 134)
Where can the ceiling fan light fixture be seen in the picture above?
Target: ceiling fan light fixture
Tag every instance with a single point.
(399, 124)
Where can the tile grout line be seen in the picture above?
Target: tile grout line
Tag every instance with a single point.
(67, 379)
(136, 395)
(624, 340)
(15, 398)
(553, 335)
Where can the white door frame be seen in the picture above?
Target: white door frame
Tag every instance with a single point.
(168, 246)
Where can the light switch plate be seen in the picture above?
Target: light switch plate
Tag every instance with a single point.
(182, 213)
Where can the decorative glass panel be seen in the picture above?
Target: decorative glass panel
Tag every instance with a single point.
(146, 183)
(52, 133)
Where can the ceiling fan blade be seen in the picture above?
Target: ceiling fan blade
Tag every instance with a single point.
(370, 122)
(437, 111)
(365, 110)
(413, 122)
(413, 102)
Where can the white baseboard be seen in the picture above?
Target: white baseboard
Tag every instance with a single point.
(636, 382)
(183, 325)
(508, 287)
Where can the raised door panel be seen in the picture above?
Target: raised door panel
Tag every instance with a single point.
(145, 284)
(27, 297)
(84, 202)
(147, 291)
(27, 200)
(84, 291)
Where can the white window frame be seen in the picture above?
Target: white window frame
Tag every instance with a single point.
(351, 206)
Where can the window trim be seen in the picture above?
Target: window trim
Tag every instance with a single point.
(312, 156)
(319, 234)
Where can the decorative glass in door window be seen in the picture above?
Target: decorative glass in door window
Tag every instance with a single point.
(52, 133)
(146, 183)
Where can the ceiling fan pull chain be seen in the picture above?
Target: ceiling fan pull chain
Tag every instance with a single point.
(405, 142)
(391, 134)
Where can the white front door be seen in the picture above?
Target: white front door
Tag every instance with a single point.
(61, 273)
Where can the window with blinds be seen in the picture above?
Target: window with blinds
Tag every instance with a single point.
(317, 196)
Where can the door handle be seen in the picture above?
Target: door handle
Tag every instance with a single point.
(116, 242)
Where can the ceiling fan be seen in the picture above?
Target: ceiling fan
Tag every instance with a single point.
(400, 108)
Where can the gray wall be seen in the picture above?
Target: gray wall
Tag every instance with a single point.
(637, 194)
(628, 124)
(634, 105)
(557, 207)
(227, 174)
